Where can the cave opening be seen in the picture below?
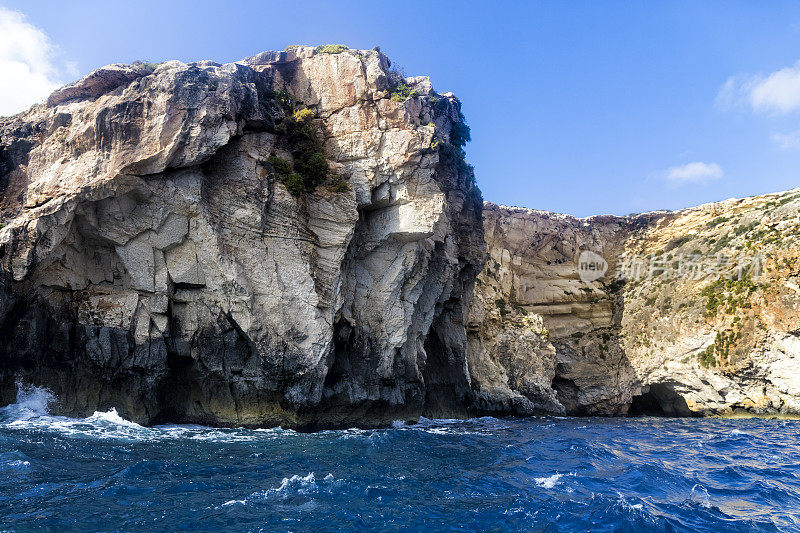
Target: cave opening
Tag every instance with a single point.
(446, 384)
(659, 399)
(567, 393)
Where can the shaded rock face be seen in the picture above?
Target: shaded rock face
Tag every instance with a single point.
(686, 335)
(152, 260)
(537, 325)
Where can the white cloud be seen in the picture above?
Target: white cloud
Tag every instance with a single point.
(696, 172)
(787, 141)
(28, 63)
(779, 92)
(776, 93)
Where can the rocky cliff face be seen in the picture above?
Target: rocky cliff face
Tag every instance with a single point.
(289, 239)
(294, 239)
(696, 314)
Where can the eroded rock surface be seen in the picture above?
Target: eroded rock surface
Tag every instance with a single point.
(153, 261)
(697, 314)
(156, 257)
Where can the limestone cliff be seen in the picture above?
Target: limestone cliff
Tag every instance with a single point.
(696, 314)
(295, 238)
(289, 239)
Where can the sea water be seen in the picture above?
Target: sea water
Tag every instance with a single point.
(103, 473)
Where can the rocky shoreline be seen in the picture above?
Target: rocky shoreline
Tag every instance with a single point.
(296, 239)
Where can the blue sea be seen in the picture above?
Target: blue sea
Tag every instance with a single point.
(103, 473)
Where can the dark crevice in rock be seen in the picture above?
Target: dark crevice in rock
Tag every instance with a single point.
(659, 399)
(567, 393)
(447, 390)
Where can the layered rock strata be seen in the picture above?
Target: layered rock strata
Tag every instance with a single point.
(295, 238)
(696, 314)
(153, 260)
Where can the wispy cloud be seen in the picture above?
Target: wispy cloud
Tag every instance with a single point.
(29, 68)
(775, 93)
(787, 141)
(695, 172)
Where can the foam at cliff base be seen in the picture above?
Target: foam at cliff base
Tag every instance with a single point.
(31, 412)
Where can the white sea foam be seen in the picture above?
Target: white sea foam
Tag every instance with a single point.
(288, 487)
(30, 412)
(548, 482)
(15, 460)
(295, 484)
(31, 402)
(112, 417)
(456, 426)
(203, 433)
(104, 425)
(300, 484)
(700, 495)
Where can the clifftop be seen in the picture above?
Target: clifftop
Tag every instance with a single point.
(188, 111)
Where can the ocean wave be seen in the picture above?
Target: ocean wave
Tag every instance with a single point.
(699, 495)
(30, 412)
(630, 475)
(31, 402)
(456, 426)
(14, 461)
(547, 482)
(301, 484)
(288, 488)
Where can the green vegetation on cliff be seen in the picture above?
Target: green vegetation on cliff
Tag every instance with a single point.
(728, 295)
(331, 49)
(310, 164)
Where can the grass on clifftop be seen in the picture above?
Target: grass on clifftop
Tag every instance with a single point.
(146, 65)
(331, 49)
(399, 91)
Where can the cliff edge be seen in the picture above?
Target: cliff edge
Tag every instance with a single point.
(288, 239)
(295, 239)
(685, 313)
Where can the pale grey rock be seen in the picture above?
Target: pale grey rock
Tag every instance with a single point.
(611, 348)
(151, 261)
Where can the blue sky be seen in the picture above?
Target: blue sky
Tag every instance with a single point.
(577, 107)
